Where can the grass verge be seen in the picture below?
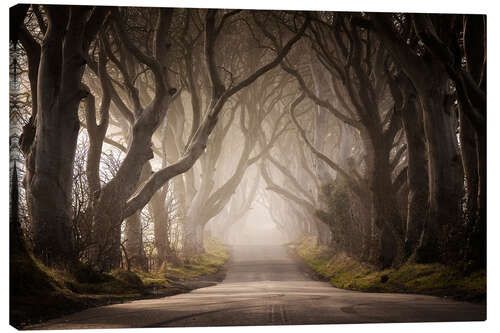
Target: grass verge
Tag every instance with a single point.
(430, 279)
(39, 293)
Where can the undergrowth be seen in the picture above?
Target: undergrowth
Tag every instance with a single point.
(215, 255)
(39, 292)
(431, 279)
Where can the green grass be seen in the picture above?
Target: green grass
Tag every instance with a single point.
(35, 294)
(39, 292)
(432, 279)
(209, 262)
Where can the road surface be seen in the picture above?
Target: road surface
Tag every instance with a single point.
(263, 286)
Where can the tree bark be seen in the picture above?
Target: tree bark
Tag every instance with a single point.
(193, 237)
(386, 214)
(418, 192)
(475, 51)
(430, 80)
(110, 206)
(161, 231)
(133, 233)
(445, 172)
(133, 243)
(59, 92)
(320, 125)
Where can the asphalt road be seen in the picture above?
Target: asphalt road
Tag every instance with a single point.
(263, 286)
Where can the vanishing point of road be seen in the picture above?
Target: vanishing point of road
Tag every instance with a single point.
(263, 286)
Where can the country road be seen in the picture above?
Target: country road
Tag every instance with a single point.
(263, 286)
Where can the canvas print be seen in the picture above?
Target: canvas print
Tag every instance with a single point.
(226, 167)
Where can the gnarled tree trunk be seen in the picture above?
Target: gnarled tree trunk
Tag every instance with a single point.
(51, 153)
(418, 192)
(445, 172)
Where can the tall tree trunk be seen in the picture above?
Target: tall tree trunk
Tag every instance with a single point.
(17, 246)
(386, 214)
(475, 52)
(194, 222)
(133, 231)
(418, 192)
(133, 244)
(476, 243)
(364, 214)
(161, 230)
(430, 79)
(320, 124)
(193, 237)
(468, 150)
(445, 170)
(53, 149)
(480, 230)
(49, 141)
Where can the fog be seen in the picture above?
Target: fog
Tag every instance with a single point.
(255, 127)
(256, 228)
